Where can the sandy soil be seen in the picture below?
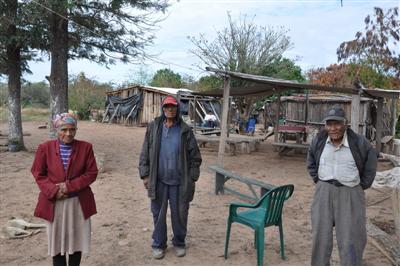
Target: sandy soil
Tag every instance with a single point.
(122, 228)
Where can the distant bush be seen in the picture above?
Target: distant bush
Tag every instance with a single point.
(35, 95)
(85, 94)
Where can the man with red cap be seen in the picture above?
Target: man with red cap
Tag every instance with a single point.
(169, 167)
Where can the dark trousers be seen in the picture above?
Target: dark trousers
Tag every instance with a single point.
(73, 259)
(159, 207)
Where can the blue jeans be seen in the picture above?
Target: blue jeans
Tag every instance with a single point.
(159, 207)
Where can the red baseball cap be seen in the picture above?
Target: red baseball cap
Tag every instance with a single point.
(169, 100)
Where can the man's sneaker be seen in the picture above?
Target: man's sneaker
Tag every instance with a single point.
(180, 251)
(158, 253)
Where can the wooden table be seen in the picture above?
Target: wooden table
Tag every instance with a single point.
(284, 131)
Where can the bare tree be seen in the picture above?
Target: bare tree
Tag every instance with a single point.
(242, 46)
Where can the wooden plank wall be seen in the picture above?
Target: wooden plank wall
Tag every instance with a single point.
(316, 111)
(151, 107)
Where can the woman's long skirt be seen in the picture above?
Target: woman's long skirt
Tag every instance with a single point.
(69, 232)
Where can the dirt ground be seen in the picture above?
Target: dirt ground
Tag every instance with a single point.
(123, 226)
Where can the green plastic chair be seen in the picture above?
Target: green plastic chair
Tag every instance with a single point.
(266, 212)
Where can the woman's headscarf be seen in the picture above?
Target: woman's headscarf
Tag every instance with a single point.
(64, 119)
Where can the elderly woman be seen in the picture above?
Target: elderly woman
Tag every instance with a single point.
(64, 169)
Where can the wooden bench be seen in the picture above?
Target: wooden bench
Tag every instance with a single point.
(235, 145)
(285, 147)
(222, 176)
(211, 132)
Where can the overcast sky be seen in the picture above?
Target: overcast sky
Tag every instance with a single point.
(316, 29)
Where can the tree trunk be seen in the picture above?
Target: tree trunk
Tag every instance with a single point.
(15, 135)
(59, 61)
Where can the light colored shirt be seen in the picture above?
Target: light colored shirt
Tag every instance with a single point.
(338, 163)
(210, 118)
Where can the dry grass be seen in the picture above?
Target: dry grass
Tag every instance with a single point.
(28, 114)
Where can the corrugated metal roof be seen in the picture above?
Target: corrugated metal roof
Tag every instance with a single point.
(167, 90)
(265, 86)
(321, 98)
(162, 90)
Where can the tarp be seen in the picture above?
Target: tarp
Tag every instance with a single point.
(126, 105)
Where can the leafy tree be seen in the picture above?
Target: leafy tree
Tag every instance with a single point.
(334, 75)
(207, 83)
(35, 94)
(20, 36)
(100, 31)
(166, 78)
(345, 75)
(3, 94)
(376, 47)
(187, 81)
(11, 65)
(85, 95)
(283, 68)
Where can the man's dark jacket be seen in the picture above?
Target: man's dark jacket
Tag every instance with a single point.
(363, 153)
(190, 159)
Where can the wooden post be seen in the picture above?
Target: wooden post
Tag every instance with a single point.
(219, 183)
(379, 124)
(215, 112)
(393, 111)
(276, 129)
(306, 116)
(263, 191)
(384, 243)
(228, 123)
(306, 109)
(194, 111)
(365, 115)
(265, 117)
(130, 113)
(224, 120)
(115, 112)
(396, 211)
(189, 112)
(355, 112)
(105, 113)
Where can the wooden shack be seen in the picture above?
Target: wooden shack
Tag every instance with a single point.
(139, 105)
(149, 106)
(296, 111)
